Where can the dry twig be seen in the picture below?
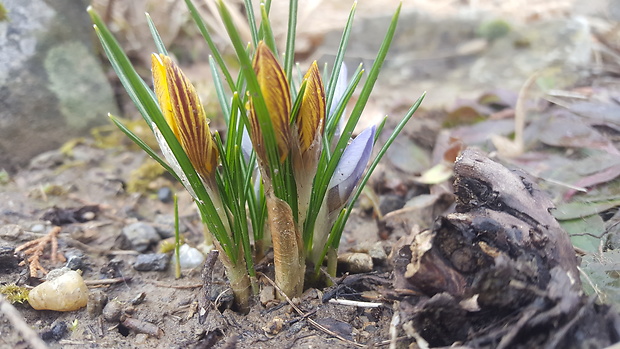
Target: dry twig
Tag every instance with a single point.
(20, 324)
(312, 322)
(34, 249)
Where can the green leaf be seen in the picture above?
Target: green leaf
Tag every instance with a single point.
(336, 233)
(289, 52)
(342, 48)
(322, 180)
(147, 104)
(161, 48)
(269, 138)
(202, 26)
(143, 145)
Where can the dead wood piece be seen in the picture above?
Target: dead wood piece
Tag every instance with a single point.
(204, 301)
(506, 253)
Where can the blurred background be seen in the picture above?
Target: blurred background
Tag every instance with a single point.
(55, 83)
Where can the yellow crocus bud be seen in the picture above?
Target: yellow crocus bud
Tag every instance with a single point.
(311, 118)
(275, 90)
(185, 115)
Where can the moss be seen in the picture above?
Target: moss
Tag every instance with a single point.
(4, 14)
(141, 178)
(14, 293)
(494, 29)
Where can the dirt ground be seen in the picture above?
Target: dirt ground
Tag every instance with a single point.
(87, 173)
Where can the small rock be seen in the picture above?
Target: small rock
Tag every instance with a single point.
(190, 257)
(140, 236)
(267, 295)
(38, 228)
(141, 338)
(138, 299)
(66, 292)
(75, 261)
(112, 311)
(151, 262)
(377, 252)
(274, 326)
(11, 232)
(391, 202)
(8, 259)
(355, 262)
(56, 332)
(164, 194)
(97, 300)
(164, 225)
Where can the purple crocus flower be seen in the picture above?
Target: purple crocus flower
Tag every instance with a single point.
(349, 170)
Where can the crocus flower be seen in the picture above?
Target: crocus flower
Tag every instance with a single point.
(346, 177)
(275, 90)
(309, 127)
(311, 118)
(349, 170)
(185, 116)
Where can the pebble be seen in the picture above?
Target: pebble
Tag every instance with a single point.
(66, 292)
(75, 260)
(56, 332)
(391, 202)
(112, 311)
(151, 262)
(8, 259)
(140, 236)
(164, 225)
(355, 262)
(97, 300)
(164, 194)
(11, 232)
(190, 257)
(267, 295)
(38, 228)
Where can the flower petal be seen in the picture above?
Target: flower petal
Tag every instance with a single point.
(185, 115)
(350, 169)
(275, 90)
(311, 118)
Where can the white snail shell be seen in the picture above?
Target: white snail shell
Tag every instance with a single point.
(66, 292)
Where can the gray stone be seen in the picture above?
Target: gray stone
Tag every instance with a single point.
(52, 86)
(113, 311)
(139, 236)
(151, 262)
(11, 232)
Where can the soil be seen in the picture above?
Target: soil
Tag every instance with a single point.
(87, 188)
(89, 177)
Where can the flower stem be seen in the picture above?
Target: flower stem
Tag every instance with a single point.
(239, 279)
(288, 250)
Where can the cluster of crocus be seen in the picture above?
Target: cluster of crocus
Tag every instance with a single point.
(299, 145)
(311, 169)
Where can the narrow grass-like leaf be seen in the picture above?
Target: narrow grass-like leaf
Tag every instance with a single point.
(336, 232)
(323, 180)
(289, 52)
(297, 103)
(202, 26)
(177, 239)
(219, 89)
(139, 142)
(249, 12)
(161, 48)
(342, 48)
(267, 32)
